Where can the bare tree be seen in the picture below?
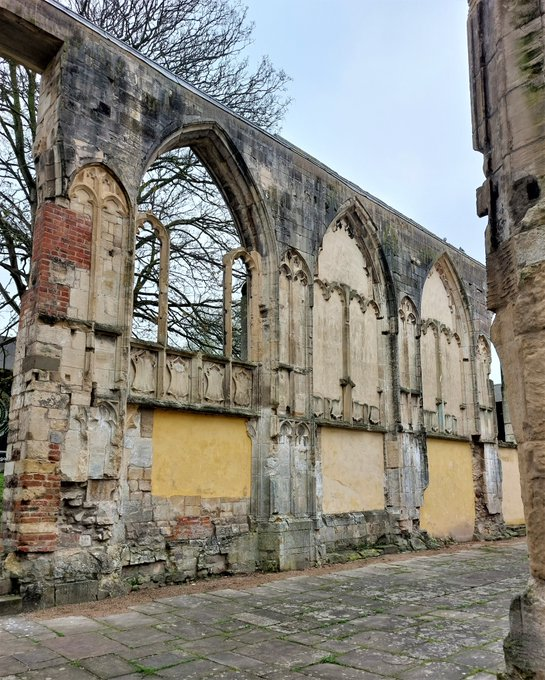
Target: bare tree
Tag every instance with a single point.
(18, 92)
(202, 41)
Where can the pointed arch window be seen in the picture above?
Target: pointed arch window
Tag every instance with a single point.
(446, 353)
(350, 326)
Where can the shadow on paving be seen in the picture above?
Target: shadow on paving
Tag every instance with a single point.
(434, 615)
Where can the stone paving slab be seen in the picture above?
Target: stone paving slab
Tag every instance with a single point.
(437, 616)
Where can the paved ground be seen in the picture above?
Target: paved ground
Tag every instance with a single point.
(438, 616)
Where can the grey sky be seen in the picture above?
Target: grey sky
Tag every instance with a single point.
(381, 95)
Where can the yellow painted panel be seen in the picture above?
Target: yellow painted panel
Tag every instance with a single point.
(352, 470)
(449, 503)
(512, 508)
(198, 454)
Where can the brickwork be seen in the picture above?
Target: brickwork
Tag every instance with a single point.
(62, 241)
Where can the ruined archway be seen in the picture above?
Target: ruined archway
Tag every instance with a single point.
(165, 462)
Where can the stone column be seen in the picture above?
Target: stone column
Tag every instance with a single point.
(507, 53)
(40, 403)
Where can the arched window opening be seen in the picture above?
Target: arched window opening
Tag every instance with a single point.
(350, 371)
(196, 304)
(181, 194)
(446, 354)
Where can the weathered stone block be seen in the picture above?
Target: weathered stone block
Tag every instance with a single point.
(79, 591)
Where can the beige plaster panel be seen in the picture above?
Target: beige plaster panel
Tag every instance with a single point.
(512, 508)
(200, 455)
(352, 469)
(341, 260)
(428, 348)
(452, 387)
(365, 334)
(449, 503)
(435, 301)
(408, 348)
(284, 313)
(328, 344)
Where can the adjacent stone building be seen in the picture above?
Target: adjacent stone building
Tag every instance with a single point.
(507, 57)
(358, 412)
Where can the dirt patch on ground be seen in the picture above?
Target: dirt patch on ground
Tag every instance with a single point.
(120, 604)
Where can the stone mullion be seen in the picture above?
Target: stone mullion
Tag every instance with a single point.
(227, 305)
(439, 406)
(346, 381)
(162, 321)
(164, 274)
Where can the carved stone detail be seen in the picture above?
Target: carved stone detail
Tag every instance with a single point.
(407, 311)
(242, 387)
(143, 372)
(178, 371)
(213, 375)
(374, 415)
(101, 428)
(318, 406)
(335, 409)
(357, 412)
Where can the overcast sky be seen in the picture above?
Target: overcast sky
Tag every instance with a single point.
(381, 95)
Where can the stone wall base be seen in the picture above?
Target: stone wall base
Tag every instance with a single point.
(524, 647)
(286, 543)
(353, 531)
(79, 574)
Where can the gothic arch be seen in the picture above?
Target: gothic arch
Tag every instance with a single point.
(214, 148)
(96, 193)
(447, 359)
(351, 353)
(456, 294)
(353, 216)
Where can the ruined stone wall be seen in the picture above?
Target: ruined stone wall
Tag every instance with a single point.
(134, 463)
(507, 56)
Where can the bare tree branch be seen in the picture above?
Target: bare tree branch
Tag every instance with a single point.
(202, 41)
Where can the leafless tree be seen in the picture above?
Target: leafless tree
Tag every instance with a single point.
(203, 42)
